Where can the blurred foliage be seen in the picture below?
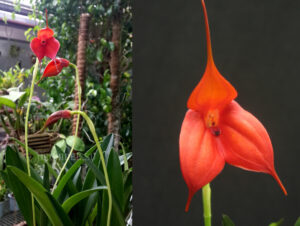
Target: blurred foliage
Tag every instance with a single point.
(63, 16)
(3, 189)
(13, 77)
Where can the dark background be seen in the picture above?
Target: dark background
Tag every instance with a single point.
(256, 46)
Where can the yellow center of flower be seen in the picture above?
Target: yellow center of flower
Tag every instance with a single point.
(212, 118)
(212, 122)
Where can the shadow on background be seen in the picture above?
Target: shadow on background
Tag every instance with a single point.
(256, 46)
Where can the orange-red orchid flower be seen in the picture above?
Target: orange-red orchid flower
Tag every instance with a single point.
(54, 67)
(216, 129)
(45, 44)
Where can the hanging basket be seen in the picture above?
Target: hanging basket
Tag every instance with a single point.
(41, 143)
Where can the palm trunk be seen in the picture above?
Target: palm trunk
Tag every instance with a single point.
(82, 43)
(114, 117)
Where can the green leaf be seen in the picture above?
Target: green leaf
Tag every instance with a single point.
(79, 145)
(89, 182)
(117, 215)
(226, 221)
(77, 180)
(297, 222)
(116, 177)
(107, 143)
(7, 102)
(73, 200)
(43, 197)
(127, 190)
(2, 154)
(46, 183)
(58, 148)
(99, 55)
(278, 223)
(64, 180)
(21, 194)
(35, 155)
(16, 159)
(22, 100)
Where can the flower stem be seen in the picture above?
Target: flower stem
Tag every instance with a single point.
(206, 196)
(93, 131)
(26, 132)
(76, 129)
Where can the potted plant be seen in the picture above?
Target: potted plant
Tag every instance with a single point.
(13, 205)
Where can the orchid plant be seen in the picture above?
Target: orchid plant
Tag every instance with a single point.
(217, 130)
(103, 196)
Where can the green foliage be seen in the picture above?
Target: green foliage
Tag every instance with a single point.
(3, 190)
(13, 77)
(70, 204)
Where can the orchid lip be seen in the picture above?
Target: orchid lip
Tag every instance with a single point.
(216, 131)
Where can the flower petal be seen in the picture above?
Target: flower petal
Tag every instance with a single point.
(37, 48)
(51, 48)
(246, 142)
(213, 91)
(201, 158)
(45, 33)
(54, 67)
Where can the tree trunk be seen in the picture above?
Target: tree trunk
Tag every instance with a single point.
(82, 43)
(114, 117)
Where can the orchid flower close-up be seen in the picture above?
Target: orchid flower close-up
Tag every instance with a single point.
(217, 130)
(45, 44)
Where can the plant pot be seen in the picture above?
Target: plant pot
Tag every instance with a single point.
(13, 205)
(6, 206)
(2, 207)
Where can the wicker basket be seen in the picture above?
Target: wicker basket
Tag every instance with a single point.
(41, 143)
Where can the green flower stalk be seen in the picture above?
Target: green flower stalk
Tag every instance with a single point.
(26, 132)
(96, 139)
(76, 129)
(206, 196)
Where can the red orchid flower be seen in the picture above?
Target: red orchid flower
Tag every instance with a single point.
(54, 68)
(54, 117)
(216, 129)
(45, 44)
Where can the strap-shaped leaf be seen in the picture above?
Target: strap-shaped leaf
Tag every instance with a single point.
(21, 194)
(74, 199)
(116, 210)
(7, 102)
(64, 180)
(45, 200)
(106, 144)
